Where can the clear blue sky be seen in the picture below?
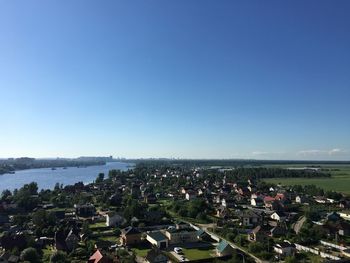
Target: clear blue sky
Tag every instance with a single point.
(191, 79)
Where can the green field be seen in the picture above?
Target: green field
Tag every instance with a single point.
(198, 253)
(339, 180)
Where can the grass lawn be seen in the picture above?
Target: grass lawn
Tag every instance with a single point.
(113, 239)
(339, 180)
(98, 225)
(196, 253)
(141, 252)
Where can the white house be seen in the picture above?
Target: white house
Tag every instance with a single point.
(190, 195)
(114, 220)
(256, 202)
(284, 249)
(279, 216)
(300, 199)
(157, 239)
(345, 214)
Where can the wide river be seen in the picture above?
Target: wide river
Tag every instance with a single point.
(47, 178)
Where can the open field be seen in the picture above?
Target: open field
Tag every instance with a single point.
(339, 180)
(198, 253)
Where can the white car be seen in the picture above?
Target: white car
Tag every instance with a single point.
(177, 250)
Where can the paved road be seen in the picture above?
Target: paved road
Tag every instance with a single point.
(299, 224)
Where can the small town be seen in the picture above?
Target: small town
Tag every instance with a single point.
(161, 212)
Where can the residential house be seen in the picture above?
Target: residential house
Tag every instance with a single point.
(279, 216)
(277, 231)
(228, 202)
(281, 196)
(190, 195)
(345, 214)
(257, 234)
(114, 219)
(284, 249)
(224, 249)
(249, 218)
(87, 210)
(130, 236)
(333, 216)
(157, 239)
(66, 242)
(98, 257)
(257, 202)
(301, 199)
(243, 191)
(181, 235)
(223, 212)
(344, 203)
(202, 235)
(343, 228)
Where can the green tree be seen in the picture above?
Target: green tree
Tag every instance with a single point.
(290, 259)
(100, 178)
(86, 229)
(255, 247)
(30, 254)
(59, 257)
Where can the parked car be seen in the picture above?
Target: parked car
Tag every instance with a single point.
(178, 250)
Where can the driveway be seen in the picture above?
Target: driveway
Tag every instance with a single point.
(178, 256)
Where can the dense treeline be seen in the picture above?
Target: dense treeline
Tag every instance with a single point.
(11, 165)
(230, 163)
(259, 173)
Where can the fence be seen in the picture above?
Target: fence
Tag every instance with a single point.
(333, 245)
(316, 252)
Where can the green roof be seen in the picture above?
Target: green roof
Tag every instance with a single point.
(157, 235)
(222, 246)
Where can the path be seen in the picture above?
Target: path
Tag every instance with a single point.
(299, 224)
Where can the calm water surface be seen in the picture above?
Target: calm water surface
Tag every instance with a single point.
(47, 178)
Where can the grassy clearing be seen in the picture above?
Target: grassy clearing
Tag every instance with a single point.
(141, 252)
(113, 239)
(339, 180)
(98, 225)
(198, 253)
